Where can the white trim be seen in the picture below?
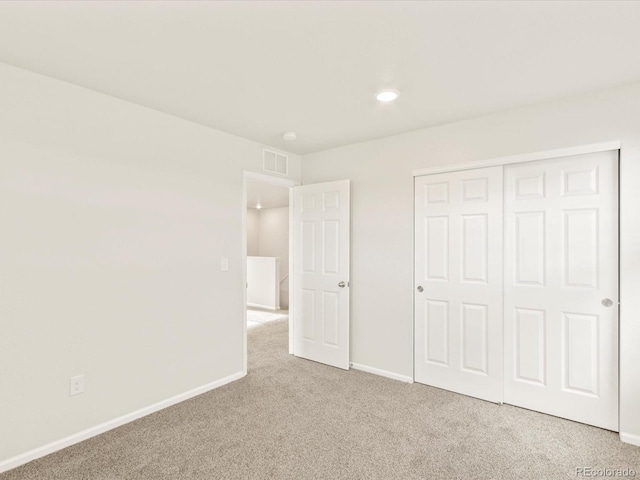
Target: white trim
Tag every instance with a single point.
(265, 177)
(243, 245)
(264, 307)
(630, 438)
(65, 442)
(382, 373)
(526, 157)
(291, 285)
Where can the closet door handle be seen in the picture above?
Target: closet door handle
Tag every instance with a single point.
(420, 289)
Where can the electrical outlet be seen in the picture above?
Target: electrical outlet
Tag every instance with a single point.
(224, 264)
(76, 385)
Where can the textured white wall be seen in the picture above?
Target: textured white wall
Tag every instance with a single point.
(274, 242)
(253, 232)
(114, 220)
(382, 215)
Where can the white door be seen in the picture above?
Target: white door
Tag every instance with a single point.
(321, 231)
(561, 287)
(458, 281)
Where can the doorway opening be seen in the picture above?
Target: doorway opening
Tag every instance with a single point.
(266, 254)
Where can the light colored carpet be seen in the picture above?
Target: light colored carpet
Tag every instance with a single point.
(257, 316)
(296, 419)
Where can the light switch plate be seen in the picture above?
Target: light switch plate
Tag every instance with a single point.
(224, 264)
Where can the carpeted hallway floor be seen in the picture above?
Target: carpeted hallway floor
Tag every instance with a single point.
(256, 317)
(296, 419)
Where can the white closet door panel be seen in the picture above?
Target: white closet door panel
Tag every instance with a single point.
(458, 254)
(561, 261)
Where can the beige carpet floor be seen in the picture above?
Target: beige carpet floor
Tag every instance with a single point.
(257, 317)
(296, 419)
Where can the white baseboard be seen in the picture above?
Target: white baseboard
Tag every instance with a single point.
(630, 438)
(382, 373)
(264, 307)
(26, 457)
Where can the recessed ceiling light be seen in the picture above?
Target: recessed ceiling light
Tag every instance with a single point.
(258, 206)
(289, 136)
(387, 95)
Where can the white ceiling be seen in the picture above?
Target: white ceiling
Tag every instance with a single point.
(267, 195)
(258, 69)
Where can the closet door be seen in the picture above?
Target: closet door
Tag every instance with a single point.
(561, 287)
(458, 282)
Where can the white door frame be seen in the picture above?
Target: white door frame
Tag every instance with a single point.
(531, 157)
(526, 157)
(283, 182)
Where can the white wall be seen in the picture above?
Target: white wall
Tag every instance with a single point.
(253, 232)
(382, 215)
(274, 242)
(114, 219)
(263, 282)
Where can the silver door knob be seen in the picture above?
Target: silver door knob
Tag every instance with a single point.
(607, 302)
(420, 289)
(342, 284)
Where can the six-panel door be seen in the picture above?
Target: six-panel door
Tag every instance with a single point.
(458, 267)
(321, 272)
(561, 287)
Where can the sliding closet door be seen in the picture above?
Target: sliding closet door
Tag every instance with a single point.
(458, 281)
(561, 287)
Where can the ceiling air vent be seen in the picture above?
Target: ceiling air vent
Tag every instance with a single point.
(274, 162)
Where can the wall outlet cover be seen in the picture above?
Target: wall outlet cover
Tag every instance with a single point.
(76, 385)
